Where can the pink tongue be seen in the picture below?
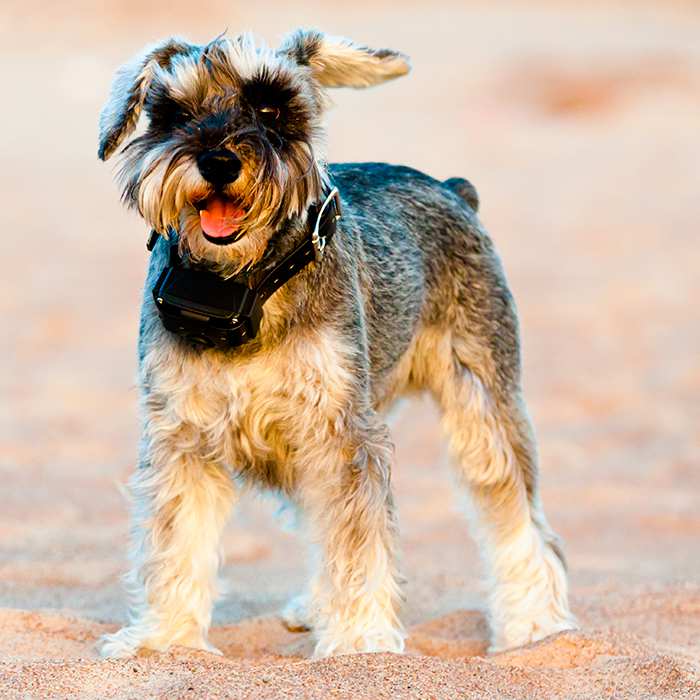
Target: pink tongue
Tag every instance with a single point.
(220, 218)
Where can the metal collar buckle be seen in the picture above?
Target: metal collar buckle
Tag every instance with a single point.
(319, 241)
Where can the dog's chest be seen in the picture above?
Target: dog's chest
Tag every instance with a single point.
(252, 409)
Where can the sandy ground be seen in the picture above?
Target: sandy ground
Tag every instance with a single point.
(580, 129)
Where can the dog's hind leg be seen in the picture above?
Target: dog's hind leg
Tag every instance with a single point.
(495, 459)
(180, 505)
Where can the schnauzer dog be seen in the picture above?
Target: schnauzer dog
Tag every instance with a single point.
(409, 295)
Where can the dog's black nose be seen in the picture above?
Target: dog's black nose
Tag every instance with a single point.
(219, 167)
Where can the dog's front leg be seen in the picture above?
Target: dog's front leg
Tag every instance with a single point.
(180, 504)
(349, 510)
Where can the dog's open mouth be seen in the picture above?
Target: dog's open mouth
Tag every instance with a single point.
(220, 219)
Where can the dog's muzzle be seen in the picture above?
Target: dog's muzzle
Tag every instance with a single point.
(208, 310)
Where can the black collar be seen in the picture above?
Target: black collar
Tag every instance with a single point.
(209, 310)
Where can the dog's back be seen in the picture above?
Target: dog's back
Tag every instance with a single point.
(426, 265)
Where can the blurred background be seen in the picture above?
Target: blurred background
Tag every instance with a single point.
(577, 122)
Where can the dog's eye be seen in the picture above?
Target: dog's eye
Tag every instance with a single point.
(268, 115)
(166, 113)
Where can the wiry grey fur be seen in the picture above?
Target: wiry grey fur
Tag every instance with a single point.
(410, 296)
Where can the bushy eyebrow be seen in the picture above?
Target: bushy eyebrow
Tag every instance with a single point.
(268, 88)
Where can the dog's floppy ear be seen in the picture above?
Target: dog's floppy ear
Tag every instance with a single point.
(129, 88)
(338, 62)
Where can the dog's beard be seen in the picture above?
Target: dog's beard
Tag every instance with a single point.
(169, 189)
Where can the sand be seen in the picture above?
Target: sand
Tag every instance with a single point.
(579, 127)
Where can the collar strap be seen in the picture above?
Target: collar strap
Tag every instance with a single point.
(208, 310)
(323, 219)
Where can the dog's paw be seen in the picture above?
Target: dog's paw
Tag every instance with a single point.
(334, 645)
(533, 605)
(196, 640)
(296, 615)
(523, 632)
(128, 640)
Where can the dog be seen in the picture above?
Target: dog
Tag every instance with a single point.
(409, 295)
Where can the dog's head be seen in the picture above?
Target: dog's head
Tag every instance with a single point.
(233, 141)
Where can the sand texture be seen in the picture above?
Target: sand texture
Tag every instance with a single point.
(579, 123)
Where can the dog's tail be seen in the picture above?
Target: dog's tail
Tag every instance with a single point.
(465, 190)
